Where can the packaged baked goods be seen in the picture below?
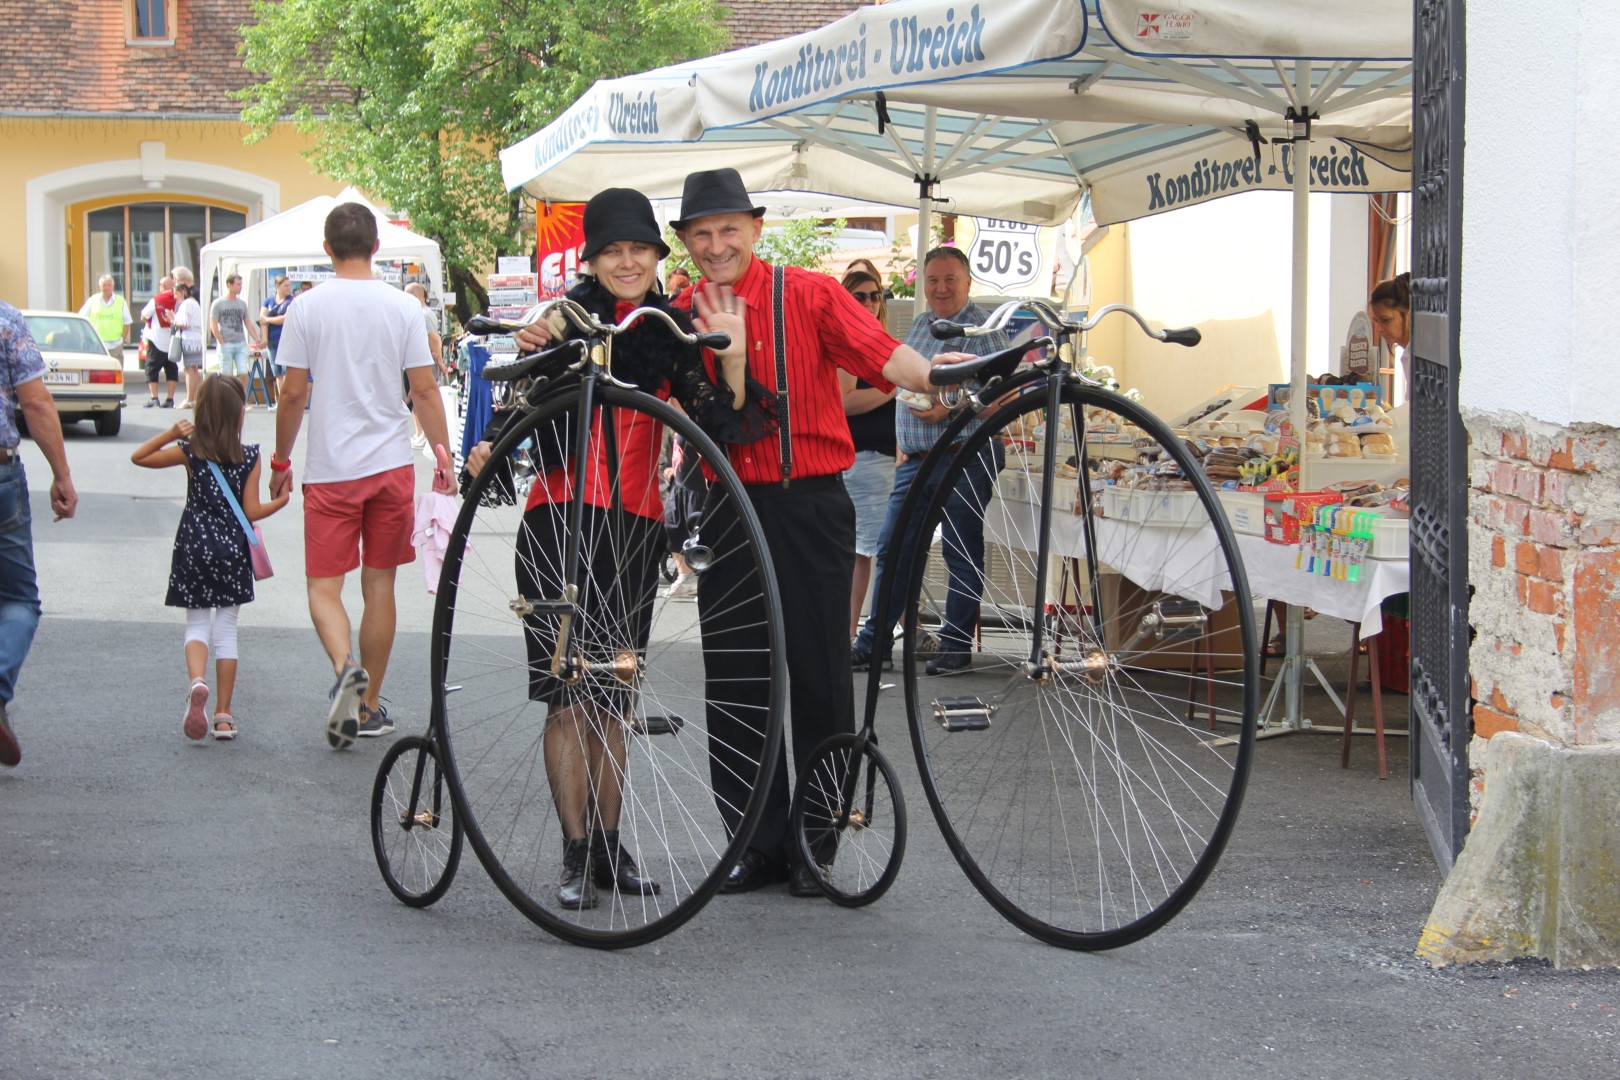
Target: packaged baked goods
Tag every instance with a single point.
(1342, 445)
(1110, 469)
(1378, 443)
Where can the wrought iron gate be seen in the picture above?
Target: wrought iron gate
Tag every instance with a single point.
(1441, 724)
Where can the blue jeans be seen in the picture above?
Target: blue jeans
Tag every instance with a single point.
(19, 590)
(962, 538)
(233, 358)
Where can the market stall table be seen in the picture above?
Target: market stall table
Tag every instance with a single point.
(1186, 562)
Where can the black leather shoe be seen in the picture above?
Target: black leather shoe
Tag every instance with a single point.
(614, 868)
(754, 870)
(576, 893)
(947, 662)
(801, 882)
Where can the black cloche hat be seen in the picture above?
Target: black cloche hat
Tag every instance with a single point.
(716, 191)
(620, 215)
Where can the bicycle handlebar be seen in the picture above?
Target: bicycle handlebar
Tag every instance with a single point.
(1053, 320)
(997, 365)
(588, 323)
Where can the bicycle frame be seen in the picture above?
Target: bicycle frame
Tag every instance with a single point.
(594, 365)
(1050, 374)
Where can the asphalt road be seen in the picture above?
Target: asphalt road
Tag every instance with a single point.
(172, 910)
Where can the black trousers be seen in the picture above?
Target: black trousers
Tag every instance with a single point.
(810, 530)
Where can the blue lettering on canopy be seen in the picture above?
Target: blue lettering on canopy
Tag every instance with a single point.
(818, 70)
(633, 116)
(571, 130)
(1207, 178)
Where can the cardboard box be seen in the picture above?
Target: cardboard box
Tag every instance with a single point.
(1285, 510)
(1124, 604)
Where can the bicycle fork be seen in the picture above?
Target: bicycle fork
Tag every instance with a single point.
(1092, 663)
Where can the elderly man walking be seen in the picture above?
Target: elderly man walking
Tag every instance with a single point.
(109, 313)
(353, 338)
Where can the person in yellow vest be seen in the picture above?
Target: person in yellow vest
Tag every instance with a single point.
(108, 312)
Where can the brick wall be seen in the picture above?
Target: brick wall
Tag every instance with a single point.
(1544, 562)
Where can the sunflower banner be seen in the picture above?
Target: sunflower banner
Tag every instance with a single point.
(559, 230)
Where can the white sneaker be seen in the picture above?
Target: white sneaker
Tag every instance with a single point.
(684, 587)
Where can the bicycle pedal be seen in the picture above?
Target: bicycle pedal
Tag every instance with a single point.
(660, 724)
(523, 607)
(962, 713)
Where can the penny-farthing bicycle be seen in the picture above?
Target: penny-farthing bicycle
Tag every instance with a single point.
(1086, 769)
(539, 588)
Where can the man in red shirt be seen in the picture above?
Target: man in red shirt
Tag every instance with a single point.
(796, 487)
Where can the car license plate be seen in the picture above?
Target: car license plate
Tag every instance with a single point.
(62, 378)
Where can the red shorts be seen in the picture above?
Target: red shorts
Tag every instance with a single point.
(373, 516)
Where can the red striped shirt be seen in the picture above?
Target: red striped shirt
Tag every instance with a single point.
(827, 329)
(636, 482)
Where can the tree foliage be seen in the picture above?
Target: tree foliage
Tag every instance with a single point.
(412, 100)
(798, 242)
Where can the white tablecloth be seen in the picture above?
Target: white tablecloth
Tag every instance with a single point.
(1187, 562)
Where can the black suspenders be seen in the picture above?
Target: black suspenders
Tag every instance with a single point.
(779, 333)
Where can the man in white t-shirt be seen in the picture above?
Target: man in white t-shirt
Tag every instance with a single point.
(352, 338)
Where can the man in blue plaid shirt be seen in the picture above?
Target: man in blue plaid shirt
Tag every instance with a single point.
(947, 282)
(22, 389)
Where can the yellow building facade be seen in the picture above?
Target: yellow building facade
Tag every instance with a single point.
(82, 196)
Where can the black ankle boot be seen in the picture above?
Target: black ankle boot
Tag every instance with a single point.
(576, 892)
(612, 865)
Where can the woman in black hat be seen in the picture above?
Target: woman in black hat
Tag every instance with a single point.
(584, 739)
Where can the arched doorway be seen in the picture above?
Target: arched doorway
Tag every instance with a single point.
(153, 177)
(137, 240)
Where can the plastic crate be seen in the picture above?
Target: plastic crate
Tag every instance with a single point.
(1167, 509)
(1116, 503)
(1391, 539)
(1246, 510)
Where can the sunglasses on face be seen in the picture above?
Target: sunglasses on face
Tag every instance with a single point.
(866, 297)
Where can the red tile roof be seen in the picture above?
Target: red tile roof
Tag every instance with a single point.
(79, 60)
(754, 21)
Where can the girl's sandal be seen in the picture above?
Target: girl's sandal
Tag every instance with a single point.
(229, 731)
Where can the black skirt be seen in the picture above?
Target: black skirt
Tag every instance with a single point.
(619, 557)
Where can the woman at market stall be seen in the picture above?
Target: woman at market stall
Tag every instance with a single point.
(870, 413)
(584, 741)
(1390, 308)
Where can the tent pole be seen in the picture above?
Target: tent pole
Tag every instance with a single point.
(925, 210)
(1300, 155)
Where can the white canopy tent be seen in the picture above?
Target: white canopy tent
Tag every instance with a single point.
(1012, 110)
(295, 237)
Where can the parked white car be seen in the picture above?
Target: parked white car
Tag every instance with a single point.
(84, 381)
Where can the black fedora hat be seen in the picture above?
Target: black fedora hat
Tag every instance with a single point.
(715, 191)
(620, 215)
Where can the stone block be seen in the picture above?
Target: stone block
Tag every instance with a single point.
(1540, 873)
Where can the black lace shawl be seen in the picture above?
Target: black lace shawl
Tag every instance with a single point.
(649, 356)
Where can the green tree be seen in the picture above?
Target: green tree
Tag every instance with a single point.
(412, 100)
(797, 242)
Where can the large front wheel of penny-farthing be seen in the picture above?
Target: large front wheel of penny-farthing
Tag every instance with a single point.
(1087, 785)
(584, 704)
